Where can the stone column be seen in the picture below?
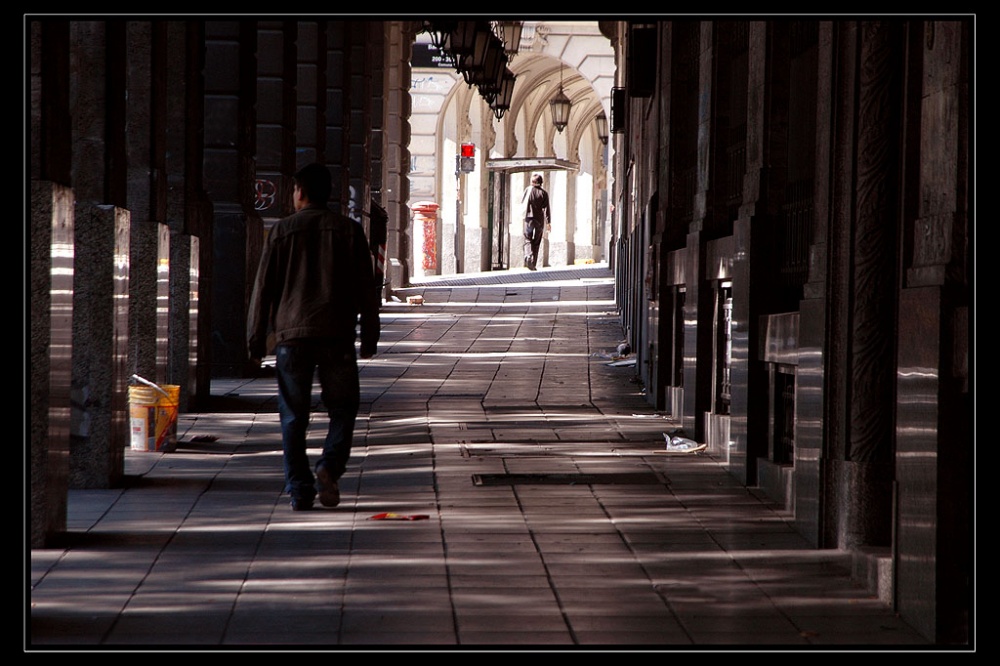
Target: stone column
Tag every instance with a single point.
(699, 305)
(754, 278)
(399, 39)
(183, 317)
(229, 176)
(182, 119)
(337, 118)
(810, 378)
(101, 367)
(935, 445)
(141, 201)
(99, 427)
(52, 265)
(51, 280)
(865, 476)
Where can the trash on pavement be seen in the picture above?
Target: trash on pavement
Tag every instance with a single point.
(398, 516)
(678, 444)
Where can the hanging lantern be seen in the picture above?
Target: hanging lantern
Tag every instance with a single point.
(501, 102)
(489, 77)
(439, 31)
(511, 37)
(602, 127)
(559, 105)
(471, 64)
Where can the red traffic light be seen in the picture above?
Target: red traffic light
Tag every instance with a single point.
(468, 150)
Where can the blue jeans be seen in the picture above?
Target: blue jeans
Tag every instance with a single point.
(296, 364)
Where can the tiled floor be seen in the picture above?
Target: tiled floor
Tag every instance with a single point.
(591, 537)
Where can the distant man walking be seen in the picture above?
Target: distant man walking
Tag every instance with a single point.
(314, 281)
(537, 219)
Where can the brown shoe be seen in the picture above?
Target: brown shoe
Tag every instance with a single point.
(329, 489)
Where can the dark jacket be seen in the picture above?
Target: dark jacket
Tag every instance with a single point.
(536, 210)
(314, 281)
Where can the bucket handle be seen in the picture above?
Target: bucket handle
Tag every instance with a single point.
(139, 379)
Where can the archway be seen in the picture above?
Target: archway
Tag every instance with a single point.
(474, 214)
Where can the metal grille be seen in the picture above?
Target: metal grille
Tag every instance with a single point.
(795, 232)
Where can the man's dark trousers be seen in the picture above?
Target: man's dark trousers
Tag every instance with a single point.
(296, 364)
(532, 240)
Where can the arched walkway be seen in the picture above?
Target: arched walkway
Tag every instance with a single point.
(478, 224)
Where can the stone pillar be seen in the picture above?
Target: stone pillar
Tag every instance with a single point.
(697, 300)
(335, 77)
(935, 445)
(810, 378)
(182, 120)
(399, 40)
(52, 264)
(310, 98)
(364, 47)
(562, 198)
(755, 285)
(141, 201)
(568, 256)
(162, 312)
(98, 101)
(99, 431)
(865, 476)
(51, 279)
(229, 174)
(276, 126)
(182, 344)
(699, 305)
(841, 174)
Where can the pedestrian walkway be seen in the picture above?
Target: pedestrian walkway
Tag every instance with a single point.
(509, 489)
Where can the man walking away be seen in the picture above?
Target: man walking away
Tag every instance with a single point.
(314, 284)
(536, 219)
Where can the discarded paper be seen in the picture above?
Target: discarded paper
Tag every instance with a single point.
(398, 516)
(678, 444)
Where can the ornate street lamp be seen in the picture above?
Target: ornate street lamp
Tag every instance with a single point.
(602, 127)
(488, 78)
(511, 37)
(559, 106)
(461, 40)
(501, 102)
(471, 65)
(439, 31)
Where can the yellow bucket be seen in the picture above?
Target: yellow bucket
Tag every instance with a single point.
(142, 417)
(153, 417)
(166, 417)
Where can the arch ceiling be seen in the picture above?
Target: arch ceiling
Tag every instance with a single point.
(539, 77)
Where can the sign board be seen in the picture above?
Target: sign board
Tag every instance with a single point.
(428, 55)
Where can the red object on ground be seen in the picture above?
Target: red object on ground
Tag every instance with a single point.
(398, 516)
